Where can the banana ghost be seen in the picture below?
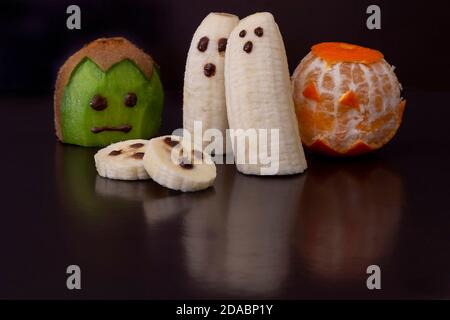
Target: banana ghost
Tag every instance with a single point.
(204, 84)
(258, 94)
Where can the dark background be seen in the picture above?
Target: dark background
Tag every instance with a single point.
(35, 40)
(389, 208)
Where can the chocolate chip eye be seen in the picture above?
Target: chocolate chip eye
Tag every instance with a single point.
(130, 99)
(222, 44)
(136, 145)
(259, 31)
(98, 103)
(248, 46)
(242, 33)
(115, 152)
(203, 44)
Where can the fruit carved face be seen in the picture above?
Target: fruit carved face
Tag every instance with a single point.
(347, 98)
(101, 107)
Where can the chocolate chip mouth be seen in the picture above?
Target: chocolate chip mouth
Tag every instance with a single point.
(248, 46)
(123, 128)
(209, 69)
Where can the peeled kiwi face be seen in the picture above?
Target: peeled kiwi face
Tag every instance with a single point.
(102, 107)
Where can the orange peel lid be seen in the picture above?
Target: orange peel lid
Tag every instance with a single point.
(335, 52)
(311, 92)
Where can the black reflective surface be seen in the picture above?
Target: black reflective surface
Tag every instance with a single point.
(306, 236)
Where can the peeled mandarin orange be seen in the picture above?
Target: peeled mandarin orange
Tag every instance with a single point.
(347, 99)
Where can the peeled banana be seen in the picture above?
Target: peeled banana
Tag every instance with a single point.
(258, 95)
(122, 160)
(204, 87)
(175, 164)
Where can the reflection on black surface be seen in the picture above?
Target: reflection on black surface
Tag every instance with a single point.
(121, 233)
(74, 175)
(248, 237)
(86, 198)
(158, 203)
(258, 232)
(164, 208)
(57, 216)
(238, 241)
(95, 196)
(126, 190)
(204, 237)
(348, 217)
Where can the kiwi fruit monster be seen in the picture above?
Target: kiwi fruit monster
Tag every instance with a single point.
(108, 91)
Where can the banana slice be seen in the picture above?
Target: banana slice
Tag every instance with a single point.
(204, 84)
(122, 160)
(258, 93)
(175, 164)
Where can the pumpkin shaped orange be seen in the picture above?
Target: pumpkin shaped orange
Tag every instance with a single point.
(347, 99)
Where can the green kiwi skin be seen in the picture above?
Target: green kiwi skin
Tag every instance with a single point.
(88, 80)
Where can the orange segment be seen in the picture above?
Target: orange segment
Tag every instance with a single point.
(335, 52)
(311, 92)
(324, 122)
(306, 117)
(349, 99)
